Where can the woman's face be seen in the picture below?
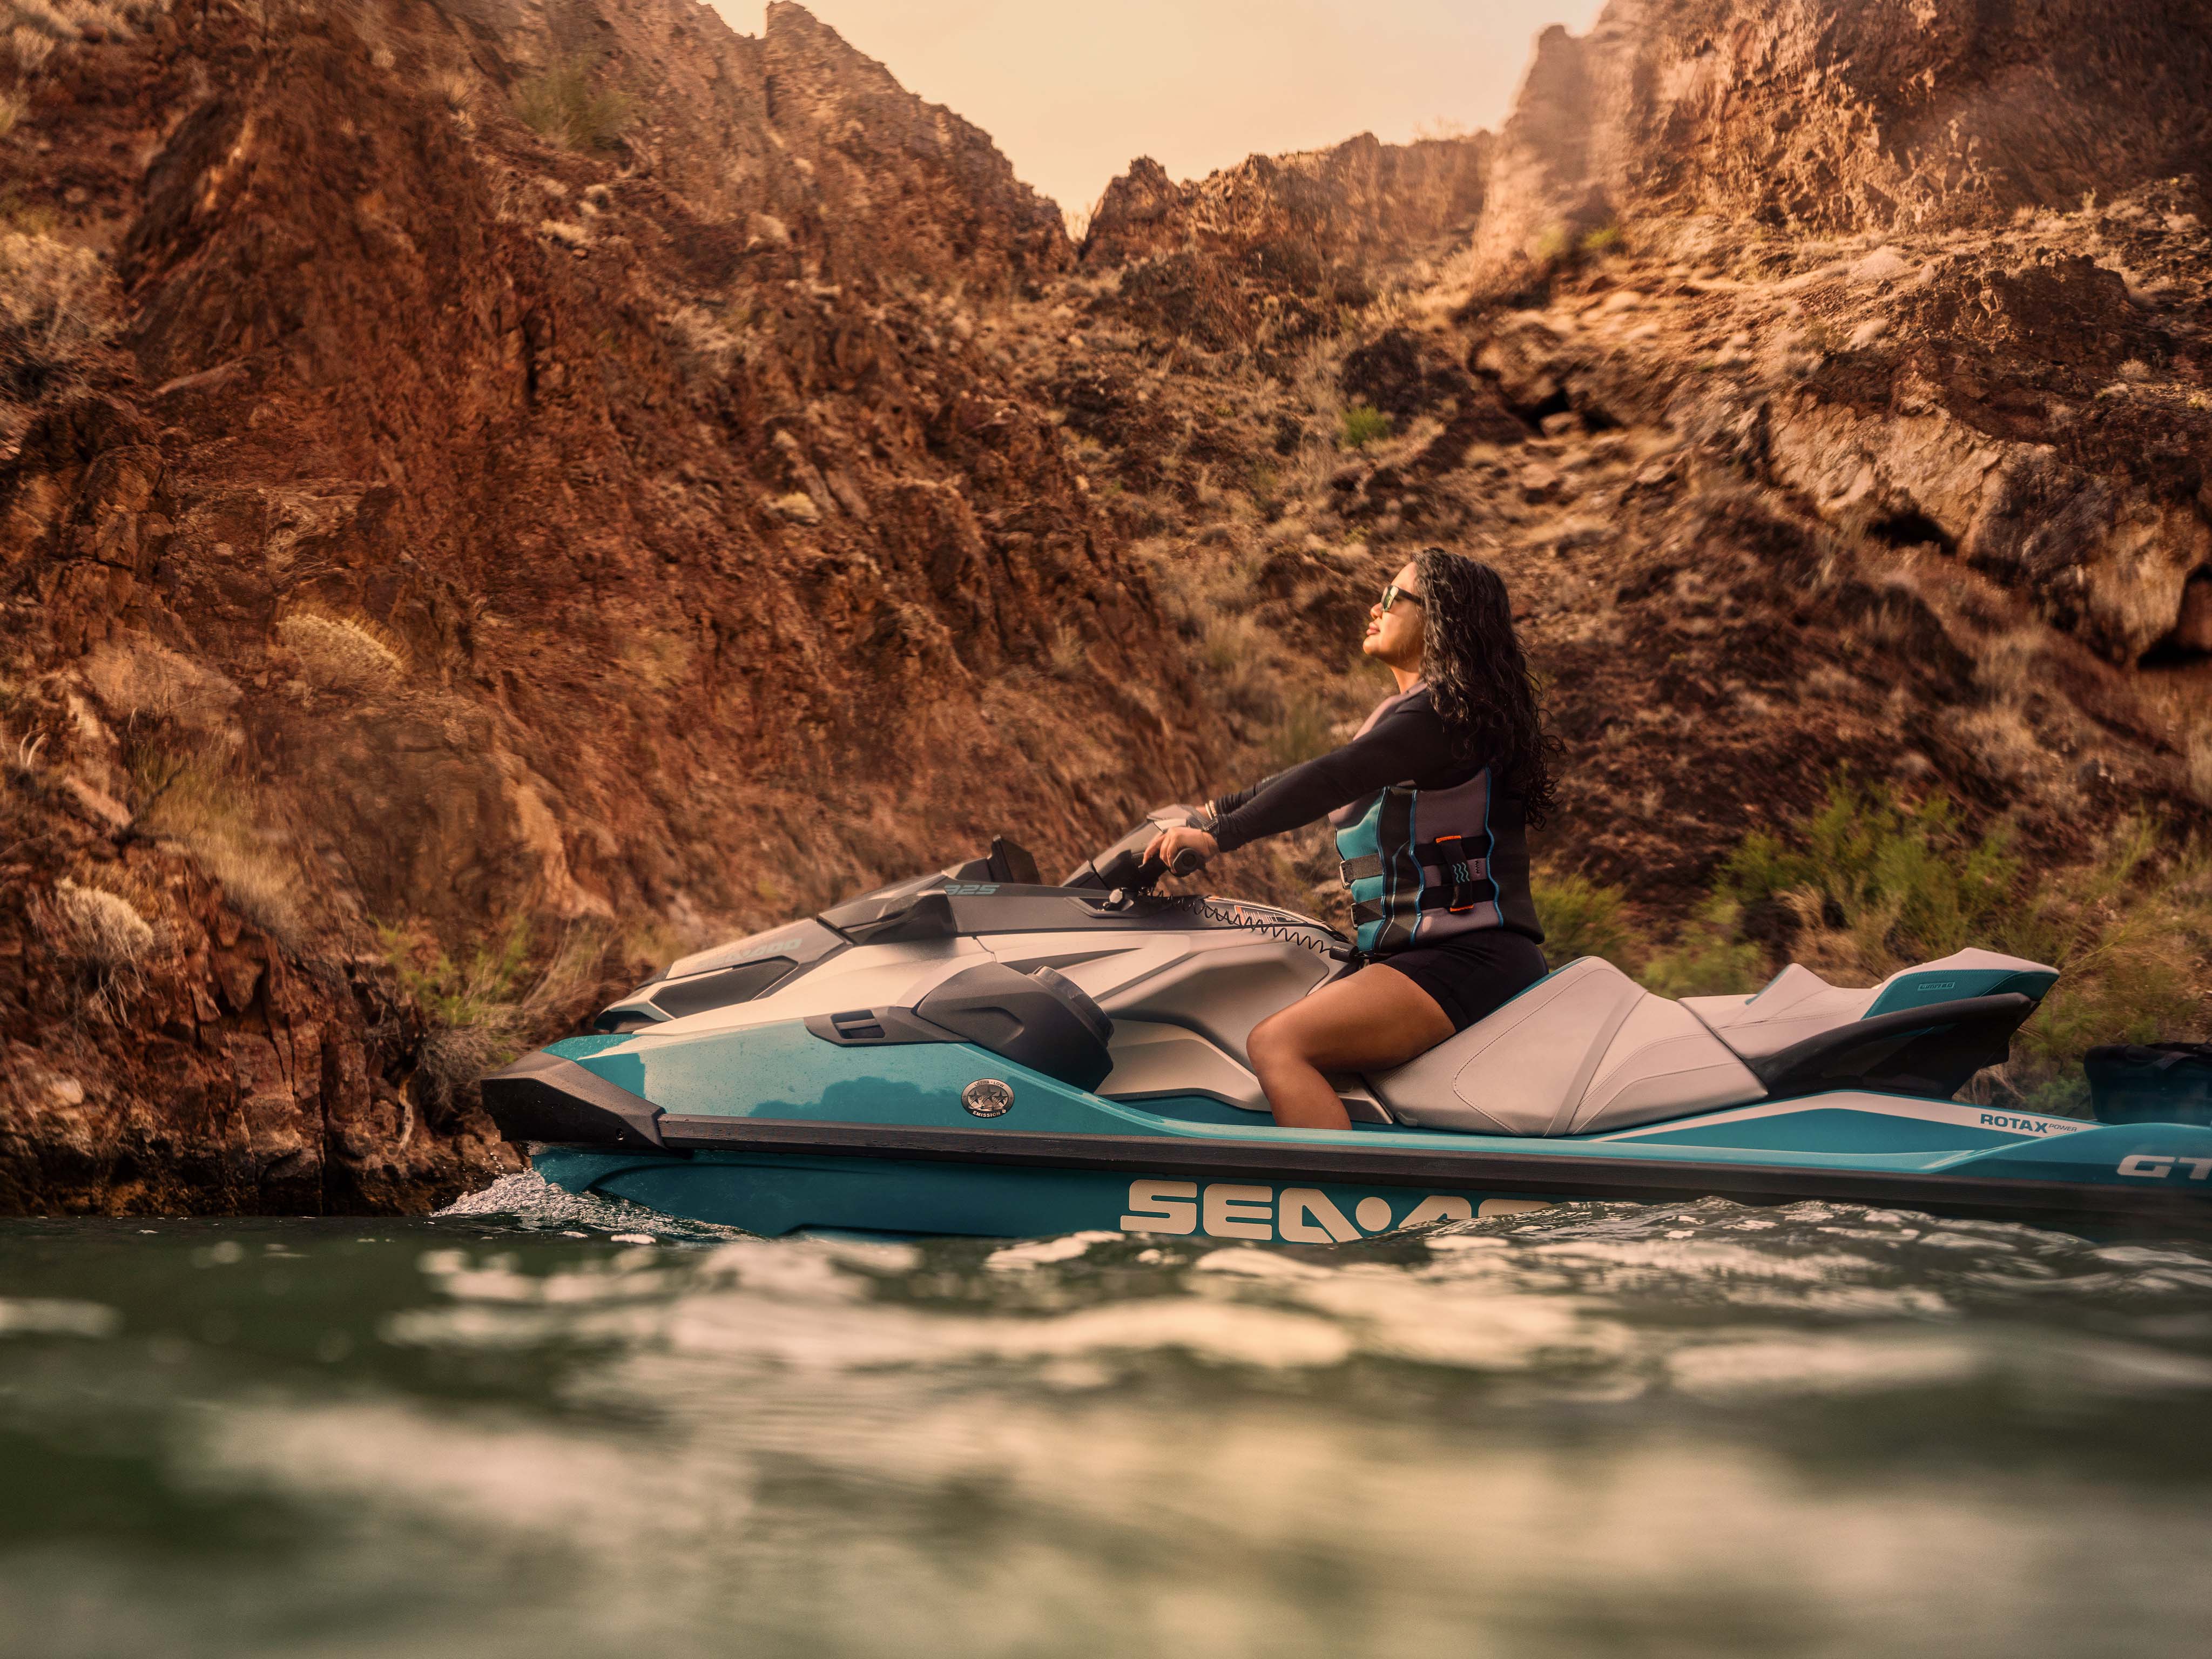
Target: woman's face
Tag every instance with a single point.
(1393, 636)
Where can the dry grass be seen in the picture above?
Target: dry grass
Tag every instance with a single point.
(101, 928)
(199, 801)
(54, 308)
(138, 680)
(342, 653)
(457, 92)
(486, 1005)
(711, 342)
(101, 936)
(562, 106)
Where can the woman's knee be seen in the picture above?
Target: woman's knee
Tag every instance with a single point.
(1275, 1041)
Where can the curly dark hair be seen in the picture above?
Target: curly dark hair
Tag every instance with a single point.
(1479, 677)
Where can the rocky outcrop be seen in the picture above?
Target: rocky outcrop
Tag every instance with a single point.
(1832, 116)
(579, 535)
(1819, 411)
(1362, 202)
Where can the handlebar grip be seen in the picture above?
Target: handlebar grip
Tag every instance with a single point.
(1188, 862)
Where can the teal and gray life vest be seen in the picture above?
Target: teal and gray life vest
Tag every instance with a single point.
(1425, 864)
(1430, 847)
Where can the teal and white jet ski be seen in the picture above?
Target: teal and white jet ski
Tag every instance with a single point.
(977, 1051)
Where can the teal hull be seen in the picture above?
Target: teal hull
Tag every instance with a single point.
(778, 1194)
(782, 1132)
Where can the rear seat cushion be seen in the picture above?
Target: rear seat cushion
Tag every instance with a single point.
(1797, 1003)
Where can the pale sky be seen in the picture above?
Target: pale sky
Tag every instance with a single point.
(1073, 89)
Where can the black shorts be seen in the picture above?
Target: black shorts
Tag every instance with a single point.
(1473, 975)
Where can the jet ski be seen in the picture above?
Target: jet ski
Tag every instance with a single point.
(976, 1051)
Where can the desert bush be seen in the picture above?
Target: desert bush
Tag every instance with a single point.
(341, 653)
(1360, 426)
(1872, 886)
(1068, 657)
(100, 928)
(198, 799)
(1708, 955)
(562, 104)
(1867, 885)
(2131, 934)
(1584, 918)
(1875, 886)
(1553, 243)
(1597, 244)
(484, 1004)
(53, 308)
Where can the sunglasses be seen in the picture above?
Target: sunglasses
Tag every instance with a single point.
(1393, 593)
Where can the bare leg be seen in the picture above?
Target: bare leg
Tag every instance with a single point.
(1370, 1020)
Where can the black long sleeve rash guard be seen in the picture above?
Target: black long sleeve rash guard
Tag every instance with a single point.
(1404, 744)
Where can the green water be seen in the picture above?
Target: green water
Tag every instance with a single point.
(550, 1426)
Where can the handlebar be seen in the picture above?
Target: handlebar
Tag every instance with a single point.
(1124, 863)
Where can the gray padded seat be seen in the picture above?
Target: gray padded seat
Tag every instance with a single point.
(1797, 1003)
(1586, 1050)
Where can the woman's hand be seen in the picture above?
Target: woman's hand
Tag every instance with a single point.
(1183, 839)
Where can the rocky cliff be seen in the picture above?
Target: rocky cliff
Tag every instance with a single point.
(483, 487)
(1831, 381)
(491, 495)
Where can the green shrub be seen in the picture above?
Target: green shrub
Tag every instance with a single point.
(1901, 884)
(1605, 240)
(2131, 934)
(1872, 886)
(481, 990)
(1709, 955)
(1582, 918)
(1552, 244)
(201, 800)
(562, 104)
(1362, 426)
(1867, 885)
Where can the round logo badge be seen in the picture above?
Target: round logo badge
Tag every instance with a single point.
(986, 1097)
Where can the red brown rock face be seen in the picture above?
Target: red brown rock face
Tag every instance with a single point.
(540, 535)
(1844, 115)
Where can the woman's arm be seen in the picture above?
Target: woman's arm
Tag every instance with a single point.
(1407, 743)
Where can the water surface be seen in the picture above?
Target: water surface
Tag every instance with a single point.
(545, 1425)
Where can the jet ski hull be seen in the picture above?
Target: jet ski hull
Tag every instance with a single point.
(893, 1149)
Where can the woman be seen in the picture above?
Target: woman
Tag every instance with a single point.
(1429, 803)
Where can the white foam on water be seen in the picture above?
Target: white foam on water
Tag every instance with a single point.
(1041, 1252)
(56, 1317)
